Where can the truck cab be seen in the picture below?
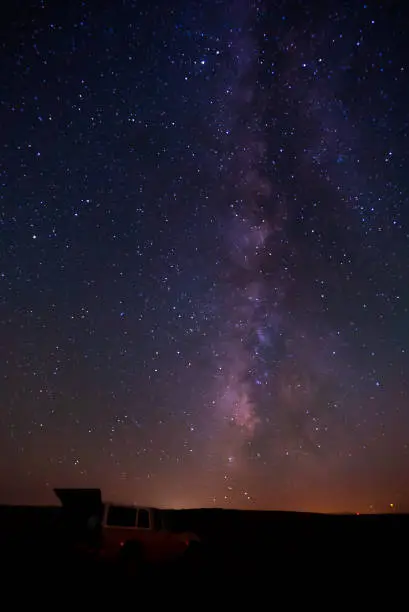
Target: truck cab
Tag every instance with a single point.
(115, 531)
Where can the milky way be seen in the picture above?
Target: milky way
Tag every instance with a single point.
(272, 374)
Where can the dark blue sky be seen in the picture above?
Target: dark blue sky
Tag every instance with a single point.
(204, 253)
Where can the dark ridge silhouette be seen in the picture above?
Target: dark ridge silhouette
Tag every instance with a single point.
(241, 548)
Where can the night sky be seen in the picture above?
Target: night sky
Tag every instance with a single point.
(204, 253)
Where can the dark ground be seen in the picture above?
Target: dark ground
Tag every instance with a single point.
(292, 555)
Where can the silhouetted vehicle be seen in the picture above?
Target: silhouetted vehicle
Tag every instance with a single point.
(131, 535)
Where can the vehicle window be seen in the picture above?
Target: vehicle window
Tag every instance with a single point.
(120, 516)
(143, 518)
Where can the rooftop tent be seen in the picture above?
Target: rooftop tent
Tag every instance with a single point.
(80, 499)
(78, 507)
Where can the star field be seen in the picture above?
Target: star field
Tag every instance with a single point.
(204, 253)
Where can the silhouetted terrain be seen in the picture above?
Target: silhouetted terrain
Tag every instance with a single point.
(239, 548)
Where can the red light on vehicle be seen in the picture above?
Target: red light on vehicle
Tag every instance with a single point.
(121, 543)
